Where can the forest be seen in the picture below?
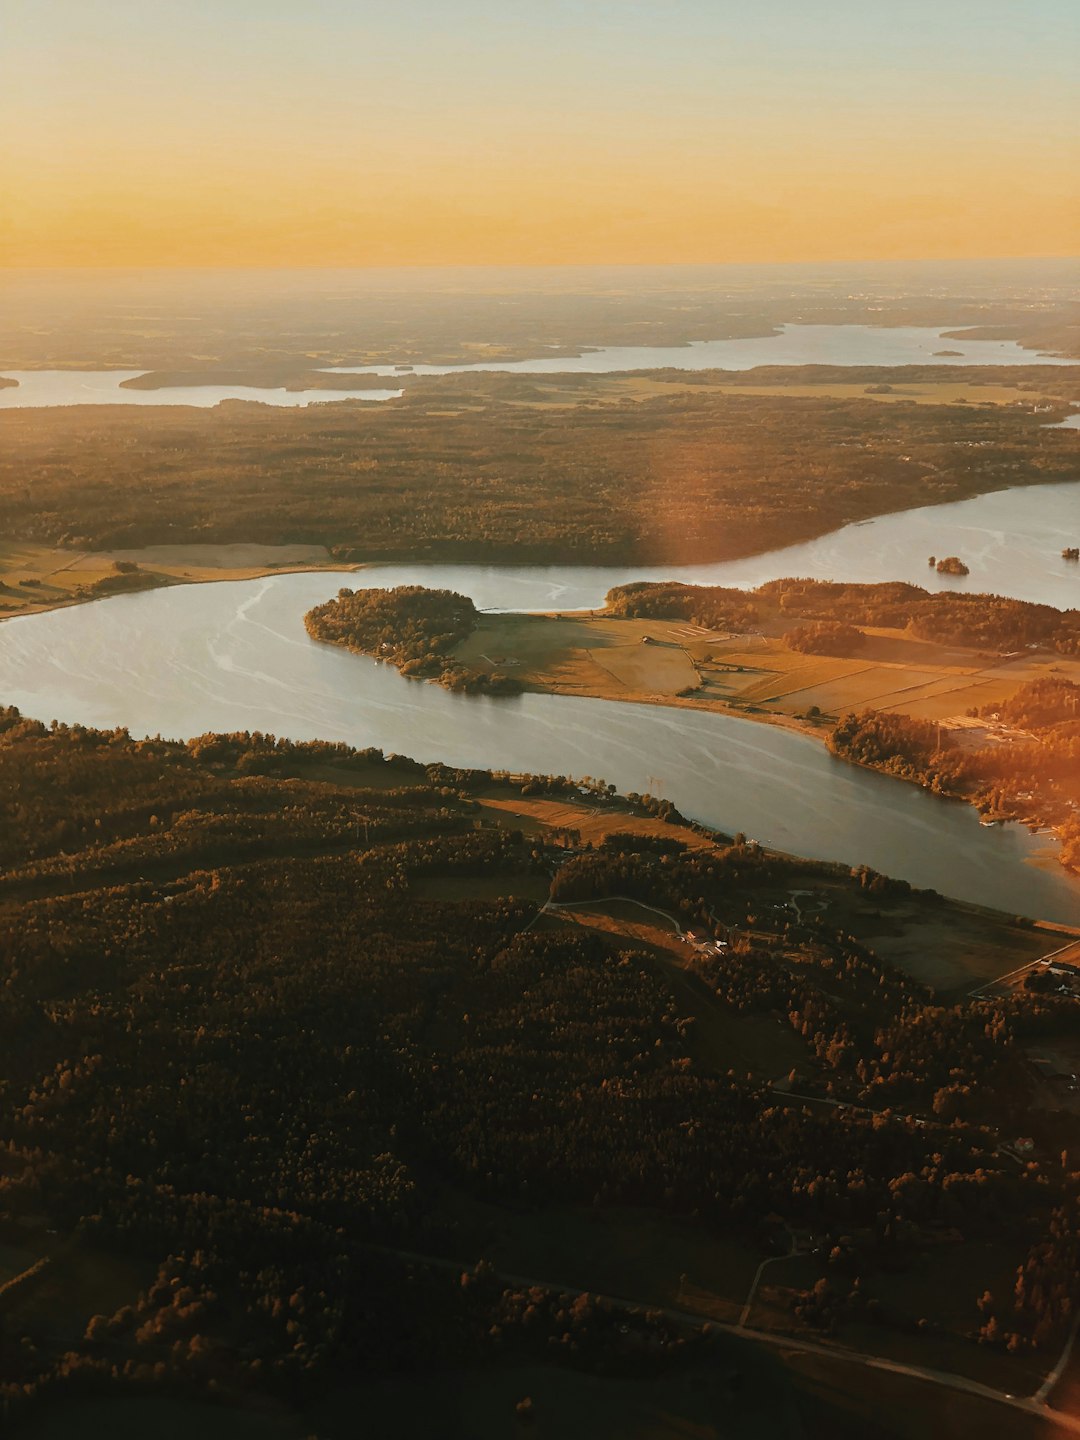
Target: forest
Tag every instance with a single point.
(258, 1042)
(499, 467)
(975, 621)
(414, 628)
(1035, 772)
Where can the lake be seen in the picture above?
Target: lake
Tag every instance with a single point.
(236, 656)
(793, 345)
(40, 388)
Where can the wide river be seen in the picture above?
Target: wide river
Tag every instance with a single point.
(793, 345)
(237, 657)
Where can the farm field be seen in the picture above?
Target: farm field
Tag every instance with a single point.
(914, 1409)
(538, 815)
(134, 1417)
(673, 661)
(695, 1403)
(951, 953)
(38, 577)
(567, 392)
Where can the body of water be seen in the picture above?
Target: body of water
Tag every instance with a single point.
(228, 657)
(236, 656)
(39, 388)
(1011, 540)
(793, 345)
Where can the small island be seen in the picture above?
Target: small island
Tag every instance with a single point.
(952, 565)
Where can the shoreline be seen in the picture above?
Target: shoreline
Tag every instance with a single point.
(578, 670)
(160, 576)
(209, 574)
(818, 733)
(787, 722)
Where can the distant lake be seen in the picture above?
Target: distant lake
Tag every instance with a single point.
(40, 388)
(794, 345)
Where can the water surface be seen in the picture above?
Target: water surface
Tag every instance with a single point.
(223, 657)
(39, 388)
(793, 345)
(1011, 540)
(236, 656)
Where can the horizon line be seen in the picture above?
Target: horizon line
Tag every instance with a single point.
(560, 264)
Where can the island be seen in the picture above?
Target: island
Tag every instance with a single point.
(532, 469)
(952, 565)
(291, 377)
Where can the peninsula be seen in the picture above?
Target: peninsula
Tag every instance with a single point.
(971, 695)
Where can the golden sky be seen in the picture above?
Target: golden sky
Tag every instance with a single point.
(343, 132)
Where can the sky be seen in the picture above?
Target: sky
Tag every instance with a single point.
(429, 132)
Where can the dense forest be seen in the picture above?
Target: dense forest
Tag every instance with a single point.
(484, 468)
(992, 622)
(1034, 770)
(414, 628)
(261, 1037)
(826, 637)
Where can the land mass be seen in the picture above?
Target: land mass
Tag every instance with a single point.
(287, 377)
(417, 629)
(337, 318)
(649, 469)
(34, 578)
(474, 1028)
(971, 695)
